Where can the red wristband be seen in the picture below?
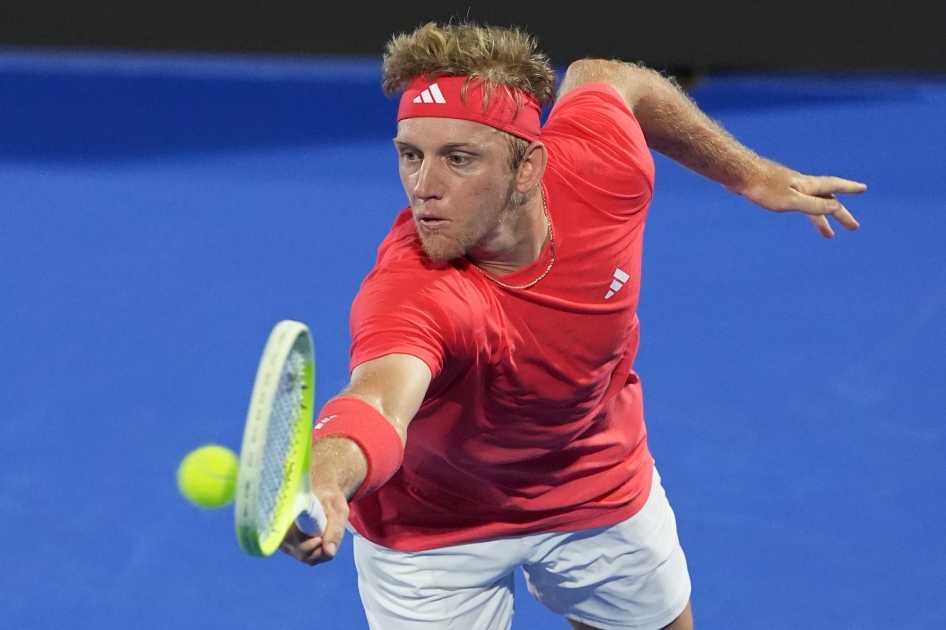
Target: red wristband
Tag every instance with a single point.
(363, 424)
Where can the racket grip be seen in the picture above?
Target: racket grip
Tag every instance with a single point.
(312, 520)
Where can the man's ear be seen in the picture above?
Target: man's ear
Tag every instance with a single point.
(532, 167)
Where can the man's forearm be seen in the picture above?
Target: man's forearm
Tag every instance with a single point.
(674, 126)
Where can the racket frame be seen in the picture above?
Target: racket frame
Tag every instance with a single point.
(295, 495)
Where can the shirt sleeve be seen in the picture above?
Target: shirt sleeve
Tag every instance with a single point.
(391, 315)
(597, 139)
(415, 306)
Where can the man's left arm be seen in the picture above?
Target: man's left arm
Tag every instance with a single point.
(674, 126)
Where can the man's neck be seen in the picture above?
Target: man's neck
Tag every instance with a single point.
(518, 239)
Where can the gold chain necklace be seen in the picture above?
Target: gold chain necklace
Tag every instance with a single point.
(551, 248)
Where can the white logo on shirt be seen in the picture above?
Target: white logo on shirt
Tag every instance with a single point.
(619, 279)
(431, 95)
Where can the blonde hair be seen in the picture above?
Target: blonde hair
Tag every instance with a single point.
(500, 57)
(497, 56)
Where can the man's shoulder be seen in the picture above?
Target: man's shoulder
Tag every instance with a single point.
(591, 96)
(593, 137)
(591, 109)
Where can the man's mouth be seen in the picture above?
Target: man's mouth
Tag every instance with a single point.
(431, 223)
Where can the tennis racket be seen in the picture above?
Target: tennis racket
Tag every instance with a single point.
(273, 487)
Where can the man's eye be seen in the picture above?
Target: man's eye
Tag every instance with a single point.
(408, 155)
(458, 159)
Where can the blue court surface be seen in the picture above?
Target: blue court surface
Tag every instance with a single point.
(158, 214)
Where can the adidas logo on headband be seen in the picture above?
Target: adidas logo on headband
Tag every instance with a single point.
(431, 95)
(511, 110)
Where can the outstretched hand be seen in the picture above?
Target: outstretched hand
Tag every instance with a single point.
(314, 550)
(781, 189)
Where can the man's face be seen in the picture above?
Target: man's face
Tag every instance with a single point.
(457, 178)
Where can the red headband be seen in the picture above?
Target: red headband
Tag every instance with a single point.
(441, 98)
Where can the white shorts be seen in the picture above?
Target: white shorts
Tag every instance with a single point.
(629, 575)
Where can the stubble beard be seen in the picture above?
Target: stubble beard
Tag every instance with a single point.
(446, 247)
(443, 247)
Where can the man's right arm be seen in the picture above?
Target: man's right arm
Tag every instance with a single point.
(394, 386)
(673, 125)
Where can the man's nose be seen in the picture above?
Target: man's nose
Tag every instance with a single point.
(427, 184)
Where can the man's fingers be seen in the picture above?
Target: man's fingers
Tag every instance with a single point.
(784, 190)
(819, 206)
(821, 223)
(842, 216)
(332, 538)
(809, 204)
(322, 548)
(291, 540)
(336, 509)
(308, 551)
(302, 547)
(309, 545)
(313, 550)
(826, 186)
(316, 549)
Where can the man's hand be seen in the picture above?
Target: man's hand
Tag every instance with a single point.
(317, 549)
(780, 189)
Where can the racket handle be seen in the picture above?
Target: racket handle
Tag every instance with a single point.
(312, 520)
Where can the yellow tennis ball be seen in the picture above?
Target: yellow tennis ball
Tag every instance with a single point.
(208, 476)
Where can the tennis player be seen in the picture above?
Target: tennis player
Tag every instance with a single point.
(493, 419)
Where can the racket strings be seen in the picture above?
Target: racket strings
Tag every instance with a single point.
(281, 444)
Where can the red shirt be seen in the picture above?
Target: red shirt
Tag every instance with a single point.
(533, 421)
